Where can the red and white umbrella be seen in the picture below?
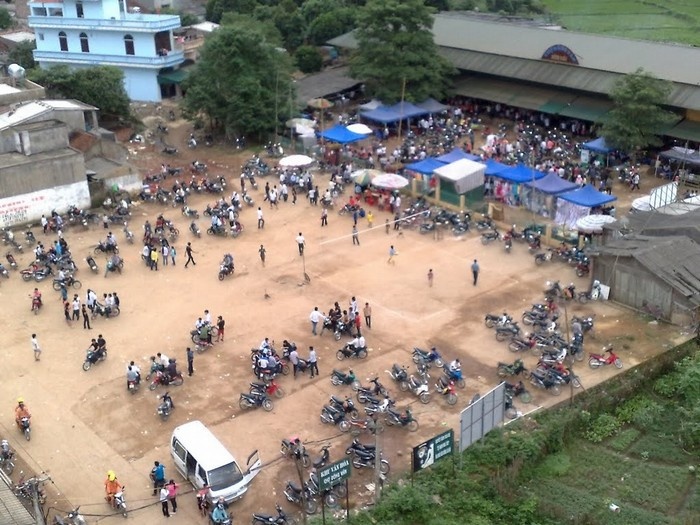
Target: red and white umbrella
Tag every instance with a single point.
(390, 181)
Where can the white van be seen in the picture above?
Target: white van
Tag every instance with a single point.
(201, 458)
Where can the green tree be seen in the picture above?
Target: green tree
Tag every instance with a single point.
(637, 115)
(186, 19)
(6, 20)
(270, 32)
(308, 59)
(241, 83)
(291, 24)
(396, 47)
(330, 25)
(101, 86)
(22, 54)
(312, 9)
(215, 9)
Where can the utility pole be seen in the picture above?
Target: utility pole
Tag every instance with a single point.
(38, 514)
(403, 97)
(297, 461)
(378, 478)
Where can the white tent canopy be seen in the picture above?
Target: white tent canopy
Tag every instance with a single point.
(466, 174)
(372, 104)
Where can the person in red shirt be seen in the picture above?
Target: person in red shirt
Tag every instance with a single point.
(358, 323)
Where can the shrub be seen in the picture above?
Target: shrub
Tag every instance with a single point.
(603, 426)
(309, 59)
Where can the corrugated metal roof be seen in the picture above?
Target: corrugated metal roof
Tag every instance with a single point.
(325, 83)
(12, 512)
(675, 260)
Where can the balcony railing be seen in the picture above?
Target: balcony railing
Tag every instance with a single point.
(172, 59)
(129, 22)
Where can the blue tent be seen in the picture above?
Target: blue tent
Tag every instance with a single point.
(598, 145)
(552, 184)
(587, 196)
(341, 135)
(494, 168)
(455, 155)
(425, 166)
(382, 114)
(519, 173)
(407, 110)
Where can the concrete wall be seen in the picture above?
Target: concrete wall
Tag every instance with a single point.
(29, 91)
(31, 206)
(31, 139)
(142, 84)
(74, 118)
(20, 175)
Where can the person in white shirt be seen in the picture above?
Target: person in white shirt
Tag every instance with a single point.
(207, 317)
(163, 359)
(301, 242)
(315, 317)
(261, 221)
(357, 343)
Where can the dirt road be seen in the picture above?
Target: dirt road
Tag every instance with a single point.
(86, 423)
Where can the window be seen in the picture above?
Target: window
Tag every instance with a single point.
(39, 11)
(41, 36)
(129, 44)
(63, 41)
(79, 9)
(179, 450)
(84, 44)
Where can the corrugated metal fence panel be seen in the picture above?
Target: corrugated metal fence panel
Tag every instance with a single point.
(12, 512)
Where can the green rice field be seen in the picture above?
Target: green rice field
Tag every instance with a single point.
(661, 20)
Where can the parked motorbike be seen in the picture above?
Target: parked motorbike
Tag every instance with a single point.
(366, 458)
(489, 237)
(189, 212)
(583, 267)
(491, 320)
(333, 415)
(507, 331)
(518, 390)
(454, 375)
(486, 223)
(512, 369)
(195, 229)
(593, 295)
(400, 375)
(428, 358)
(446, 388)
(293, 448)
(6, 457)
(542, 379)
(270, 388)
(166, 406)
(11, 260)
(341, 378)
(256, 399)
(364, 394)
(73, 518)
(349, 351)
(280, 519)
(346, 406)
(543, 257)
(92, 264)
(419, 388)
(598, 360)
(29, 238)
(293, 493)
(507, 242)
(93, 356)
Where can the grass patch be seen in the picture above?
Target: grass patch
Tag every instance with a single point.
(660, 448)
(624, 439)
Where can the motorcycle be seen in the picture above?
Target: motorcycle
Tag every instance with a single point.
(225, 270)
(512, 369)
(553, 290)
(543, 257)
(340, 378)
(11, 260)
(535, 243)
(280, 519)
(6, 457)
(169, 150)
(269, 388)
(428, 358)
(119, 504)
(367, 458)
(400, 375)
(598, 360)
(27, 488)
(454, 375)
(192, 142)
(92, 356)
(544, 380)
(364, 394)
(221, 231)
(446, 388)
(491, 320)
(346, 406)
(128, 233)
(293, 448)
(420, 388)
(583, 267)
(247, 198)
(114, 264)
(73, 518)
(293, 494)
(92, 264)
(166, 406)
(101, 310)
(518, 390)
(161, 378)
(36, 305)
(521, 344)
(195, 229)
(350, 351)
(68, 281)
(506, 332)
(507, 242)
(161, 128)
(586, 323)
(489, 237)
(486, 223)
(133, 386)
(189, 212)
(256, 399)
(29, 238)
(105, 248)
(533, 316)
(593, 295)
(333, 415)
(25, 428)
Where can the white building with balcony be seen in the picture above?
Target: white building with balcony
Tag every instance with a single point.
(86, 33)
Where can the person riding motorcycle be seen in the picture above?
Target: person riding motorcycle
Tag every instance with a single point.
(570, 291)
(205, 334)
(131, 376)
(36, 298)
(21, 411)
(171, 370)
(357, 343)
(455, 368)
(219, 514)
(101, 345)
(111, 240)
(112, 487)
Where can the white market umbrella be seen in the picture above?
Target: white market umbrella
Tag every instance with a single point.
(362, 129)
(295, 161)
(593, 223)
(306, 122)
(304, 131)
(390, 181)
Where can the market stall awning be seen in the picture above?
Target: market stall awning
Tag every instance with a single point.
(519, 173)
(172, 77)
(587, 108)
(552, 184)
(587, 196)
(457, 154)
(341, 135)
(685, 130)
(425, 166)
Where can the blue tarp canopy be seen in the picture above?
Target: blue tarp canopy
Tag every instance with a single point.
(455, 155)
(519, 173)
(598, 145)
(587, 196)
(341, 135)
(432, 106)
(552, 184)
(382, 114)
(407, 110)
(494, 167)
(425, 166)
